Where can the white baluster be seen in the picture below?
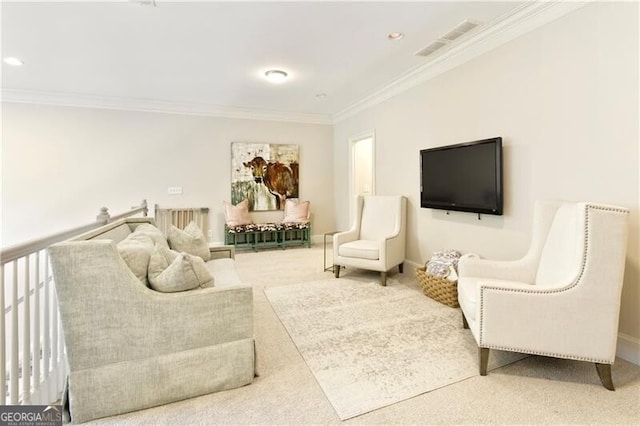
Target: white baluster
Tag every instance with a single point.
(62, 364)
(36, 329)
(13, 379)
(47, 324)
(54, 331)
(26, 336)
(3, 343)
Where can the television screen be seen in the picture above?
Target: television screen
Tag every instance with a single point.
(464, 177)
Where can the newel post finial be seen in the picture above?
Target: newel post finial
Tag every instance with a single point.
(146, 208)
(104, 215)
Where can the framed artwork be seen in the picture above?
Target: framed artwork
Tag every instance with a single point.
(264, 174)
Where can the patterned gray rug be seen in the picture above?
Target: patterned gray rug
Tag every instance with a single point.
(370, 346)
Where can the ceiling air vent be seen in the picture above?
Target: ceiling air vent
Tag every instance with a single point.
(431, 48)
(460, 29)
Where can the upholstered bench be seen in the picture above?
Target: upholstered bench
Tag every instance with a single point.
(294, 229)
(265, 235)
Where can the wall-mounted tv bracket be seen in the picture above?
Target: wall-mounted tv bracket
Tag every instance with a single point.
(479, 218)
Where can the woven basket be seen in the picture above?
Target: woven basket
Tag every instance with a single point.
(437, 288)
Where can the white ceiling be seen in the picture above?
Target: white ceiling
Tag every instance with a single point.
(212, 55)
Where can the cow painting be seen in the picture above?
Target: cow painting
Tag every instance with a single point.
(280, 180)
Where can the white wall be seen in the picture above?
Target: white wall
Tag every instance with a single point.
(565, 100)
(61, 164)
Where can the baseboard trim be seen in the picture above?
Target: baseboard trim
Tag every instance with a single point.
(411, 266)
(628, 348)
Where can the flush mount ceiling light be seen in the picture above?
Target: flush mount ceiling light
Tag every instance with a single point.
(395, 36)
(276, 76)
(14, 62)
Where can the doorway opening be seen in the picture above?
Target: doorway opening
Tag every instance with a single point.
(362, 166)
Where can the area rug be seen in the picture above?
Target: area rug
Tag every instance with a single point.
(370, 346)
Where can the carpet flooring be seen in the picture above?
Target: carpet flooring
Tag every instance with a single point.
(370, 346)
(535, 390)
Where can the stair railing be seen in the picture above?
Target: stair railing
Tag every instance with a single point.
(32, 353)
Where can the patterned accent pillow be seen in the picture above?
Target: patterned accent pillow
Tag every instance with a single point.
(170, 271)
(238, 214)
(190, 240)
(136, 250)
(286, 226)
(296, 212)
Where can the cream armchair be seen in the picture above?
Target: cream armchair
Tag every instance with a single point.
(562, 299)
(376, 240)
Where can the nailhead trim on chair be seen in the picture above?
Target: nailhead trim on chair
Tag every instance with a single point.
(547, 291)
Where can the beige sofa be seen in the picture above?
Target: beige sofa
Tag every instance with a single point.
(130, 347)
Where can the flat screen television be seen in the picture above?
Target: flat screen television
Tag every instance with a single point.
(464, 177)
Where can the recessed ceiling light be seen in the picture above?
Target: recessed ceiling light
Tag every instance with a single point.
(276, 76)
(395, 36)
(14, 62)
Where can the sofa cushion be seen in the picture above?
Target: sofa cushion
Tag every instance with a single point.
(224, 271)
(170, 271)
(190, 240)
(363, 249)
(136, 251)
(152, 232)
(469, 292)
(468, 296)
(238, 214)
(562, 254)
(296, 212)
(286, 226)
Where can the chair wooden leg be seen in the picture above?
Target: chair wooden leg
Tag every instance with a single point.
(336, 271)
(465, 324)
(483, 358)
(604, 372)
(401, 268)
(383, 278)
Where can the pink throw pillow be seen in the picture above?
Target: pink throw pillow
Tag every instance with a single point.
(238, 214)
(296, 212)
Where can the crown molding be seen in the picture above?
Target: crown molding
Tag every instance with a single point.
(158, 106)
(528, 17)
